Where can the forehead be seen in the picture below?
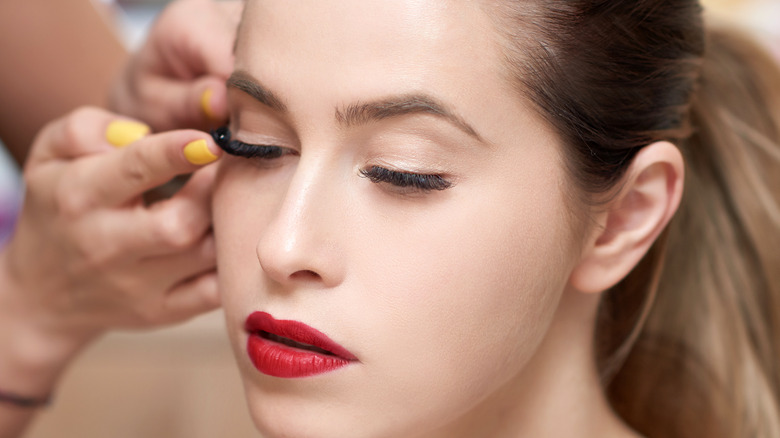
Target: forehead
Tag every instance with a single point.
(376, 45)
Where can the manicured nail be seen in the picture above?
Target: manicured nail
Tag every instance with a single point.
(197, 152)
(205, 104)
(121, 133)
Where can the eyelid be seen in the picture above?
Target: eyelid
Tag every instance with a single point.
(402, 180)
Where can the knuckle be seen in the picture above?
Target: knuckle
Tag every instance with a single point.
(71, 204)
(150, 313)
(73, 128)
(135, 170)
(89, 259)
(95, 254)
(172, 15)
(176, 230)
(171, 156)
(77, 124)
(86, 113)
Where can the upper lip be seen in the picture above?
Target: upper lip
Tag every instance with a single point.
(259, 322)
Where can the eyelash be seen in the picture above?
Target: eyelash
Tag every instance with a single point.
(417, 181)
(376, 174)
(240, 149)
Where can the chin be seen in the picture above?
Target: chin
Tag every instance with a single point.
(277, 414)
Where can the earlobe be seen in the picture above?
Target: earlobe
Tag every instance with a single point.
(633, 220)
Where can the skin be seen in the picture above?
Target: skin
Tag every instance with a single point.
(63, 55)
(187, 53)
(58, 55)
(88, 255)
(463, 306)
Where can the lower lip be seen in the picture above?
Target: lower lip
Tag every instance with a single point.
(279, 360)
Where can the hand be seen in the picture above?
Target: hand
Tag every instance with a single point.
(88, 255)
(177, 78)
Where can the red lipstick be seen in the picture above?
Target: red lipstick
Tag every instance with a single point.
(289, 349)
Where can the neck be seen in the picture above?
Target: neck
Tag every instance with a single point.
(558, 393)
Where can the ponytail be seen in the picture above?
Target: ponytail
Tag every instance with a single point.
(688, 344)
(706, 361)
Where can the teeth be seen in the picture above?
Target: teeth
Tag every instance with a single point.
(290, 343)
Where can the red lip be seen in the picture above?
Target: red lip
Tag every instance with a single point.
(274, 348)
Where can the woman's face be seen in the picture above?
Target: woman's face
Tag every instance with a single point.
(414, 215)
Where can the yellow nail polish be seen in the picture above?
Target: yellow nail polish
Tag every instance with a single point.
(205, 104)
(197, 152)
(121, 133)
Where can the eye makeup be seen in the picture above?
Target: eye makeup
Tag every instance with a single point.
(238, 148)
(407, 182)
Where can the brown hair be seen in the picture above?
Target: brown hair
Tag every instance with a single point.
(689, 342)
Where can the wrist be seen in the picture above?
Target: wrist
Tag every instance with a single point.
(36, 346)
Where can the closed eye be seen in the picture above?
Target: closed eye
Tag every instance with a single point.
(408, 180)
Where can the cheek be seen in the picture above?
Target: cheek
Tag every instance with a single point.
(459, 290)
(238, 209)
(465, 295)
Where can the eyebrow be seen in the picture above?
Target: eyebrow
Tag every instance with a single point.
(243, 81)
(395, 106)
(361, 113)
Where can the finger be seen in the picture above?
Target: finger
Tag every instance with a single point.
(198, 104)
(169, 227)
(195, 196)
(187, 214)
(193, 297)
(117, 178)
(172, 270)
(216, 59)
(174, 103)
(177, 222)
(170, 78)
(212, 99)
(201, 53)
(82, 132)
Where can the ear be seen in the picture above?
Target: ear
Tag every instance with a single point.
(648, 198)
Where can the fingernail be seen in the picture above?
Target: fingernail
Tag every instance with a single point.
(121, 133)
(197, 152)
(205, 104)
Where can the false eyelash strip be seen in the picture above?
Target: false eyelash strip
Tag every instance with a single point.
(238, 148)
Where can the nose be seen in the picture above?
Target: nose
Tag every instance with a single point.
(300, 244)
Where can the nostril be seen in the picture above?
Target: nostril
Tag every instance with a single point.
(305, 275)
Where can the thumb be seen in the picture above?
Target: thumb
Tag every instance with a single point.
(84, 131)
(211, 95)
(197, 104)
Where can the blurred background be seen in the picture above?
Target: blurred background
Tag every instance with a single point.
(181, 382)
(759, 17)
